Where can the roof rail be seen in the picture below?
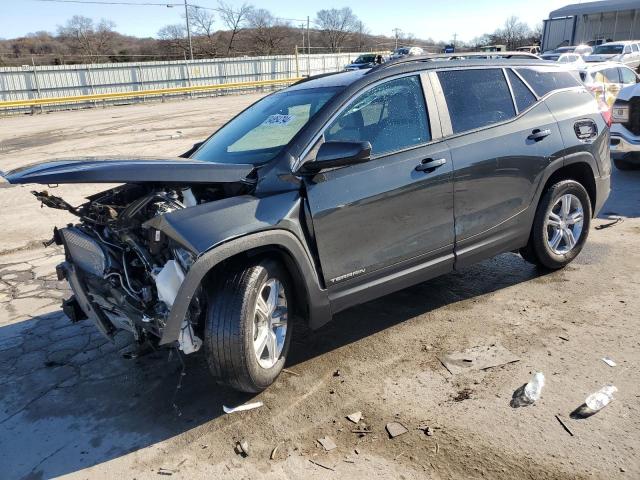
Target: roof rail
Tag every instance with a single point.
(455, 56)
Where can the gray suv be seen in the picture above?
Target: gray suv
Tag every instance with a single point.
(332, 192)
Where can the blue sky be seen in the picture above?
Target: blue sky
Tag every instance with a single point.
(438, 19)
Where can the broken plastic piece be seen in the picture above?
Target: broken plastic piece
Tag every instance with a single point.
(242, 408)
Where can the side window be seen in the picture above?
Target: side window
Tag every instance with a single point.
(524, 97)
(635, 48)
(544, 80)
(611, 75)
(627, 49)
(391, 116)
(476, 98)
(627, 76)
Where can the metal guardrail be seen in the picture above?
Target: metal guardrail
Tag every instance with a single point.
(142, 93)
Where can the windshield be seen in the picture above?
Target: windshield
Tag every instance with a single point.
(365, 59)
(401, 51)
(260, 133)
(608, 50)
(551, 57)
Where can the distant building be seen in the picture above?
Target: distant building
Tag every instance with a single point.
(592, 23)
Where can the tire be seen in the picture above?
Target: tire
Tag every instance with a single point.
(543, 248)
(234, 321)
(623, 164)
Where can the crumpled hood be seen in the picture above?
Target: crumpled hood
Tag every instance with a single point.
(627, 93)
(129, 170)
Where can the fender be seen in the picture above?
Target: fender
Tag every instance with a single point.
(219, 230)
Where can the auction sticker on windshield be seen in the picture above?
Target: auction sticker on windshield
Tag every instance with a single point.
(279, 119)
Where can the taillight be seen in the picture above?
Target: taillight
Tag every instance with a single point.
(605, 111)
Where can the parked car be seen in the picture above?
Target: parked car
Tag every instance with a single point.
(625, 131)
(606, 79)
(327, 194)
(483, 56)
(535, 49)
(624, 52)
(367, 60)
(573, 58)
(579, 49)
(406, 51)
(493, 48)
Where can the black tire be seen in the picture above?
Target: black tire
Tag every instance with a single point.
(623, 164)
(538, 251)
(229, 329)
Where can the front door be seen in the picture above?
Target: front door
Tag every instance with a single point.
(381, 216)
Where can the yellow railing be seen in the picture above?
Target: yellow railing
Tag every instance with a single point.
(141, 93)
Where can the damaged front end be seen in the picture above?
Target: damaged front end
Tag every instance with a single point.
(125, 274)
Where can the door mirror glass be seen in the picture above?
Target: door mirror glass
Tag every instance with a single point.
(338, 154)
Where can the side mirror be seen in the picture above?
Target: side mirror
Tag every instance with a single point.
(338, 154)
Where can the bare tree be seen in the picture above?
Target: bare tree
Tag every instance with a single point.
(337, 26)
(266, 31)
(87, 38)
(234, 20)
(202, 26)
(174, 37)
(362, 32)
(514, 32)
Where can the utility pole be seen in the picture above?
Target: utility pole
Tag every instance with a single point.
(396, 32)
(308, 38)
(455, 36)
(186, 16)
(302, 30)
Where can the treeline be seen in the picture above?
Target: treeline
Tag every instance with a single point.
(227, 31)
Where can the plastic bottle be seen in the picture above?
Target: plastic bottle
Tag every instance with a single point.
(601, 398)
(533, 389)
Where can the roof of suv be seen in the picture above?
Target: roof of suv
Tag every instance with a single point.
(414, 63)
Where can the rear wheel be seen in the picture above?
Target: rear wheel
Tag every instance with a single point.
(561, 226)
(247, 333)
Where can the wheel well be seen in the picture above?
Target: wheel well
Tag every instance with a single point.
(581, 172)
(301, 305)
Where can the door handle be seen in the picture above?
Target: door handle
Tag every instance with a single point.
(538, 134)
(429, 164)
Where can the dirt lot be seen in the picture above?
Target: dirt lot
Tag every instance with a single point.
(70, 405)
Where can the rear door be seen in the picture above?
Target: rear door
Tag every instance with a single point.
(502, 139)
(384, 215)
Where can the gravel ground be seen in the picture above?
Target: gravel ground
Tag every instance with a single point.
(71, 405)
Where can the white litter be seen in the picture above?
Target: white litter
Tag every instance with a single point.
(609, 361)
(242, 408)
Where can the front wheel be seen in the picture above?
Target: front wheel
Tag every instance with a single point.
(560, 227)
(248, 332)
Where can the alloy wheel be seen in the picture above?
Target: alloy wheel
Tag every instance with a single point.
(270, 323)
(564, 224)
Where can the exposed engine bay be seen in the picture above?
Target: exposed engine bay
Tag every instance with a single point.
(127, 274)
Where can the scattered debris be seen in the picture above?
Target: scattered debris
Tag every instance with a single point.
(609, 361)
(600, 399)
(242, 408)
(528, 393)
(437, 448)
(616, 219)
(290, 372)
(477, 358)
(322, 465)
(428, 432)
(242, 448)
(349, 460)
(355, 417)
(564, 425)
(395, 429)
(327, 443)
(563, 338)
(464, 394)
(274, 452)
(337, 373)
(357, 451)
(165, 471)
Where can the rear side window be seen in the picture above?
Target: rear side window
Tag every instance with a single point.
(522, 94)
(634, 47)
(476, 98)
(611, 75)
(544, 80)
(628, 76)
